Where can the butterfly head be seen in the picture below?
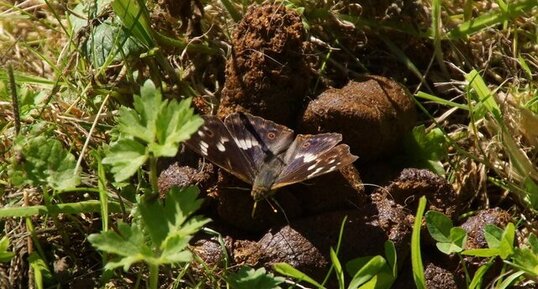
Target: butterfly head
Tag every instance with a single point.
(260, 193)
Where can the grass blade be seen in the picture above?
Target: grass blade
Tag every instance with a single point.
(416, 258)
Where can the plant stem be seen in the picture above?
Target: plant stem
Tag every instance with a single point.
(153, 276)
(153, 177)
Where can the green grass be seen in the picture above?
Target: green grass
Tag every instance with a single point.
(103, 93)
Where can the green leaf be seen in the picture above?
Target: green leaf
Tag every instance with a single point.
(365, 268)
(391, 257)
(416, 255)
(426, 149)
(487, 252)
(478, 277)
(484, 96)
(108, 42)
(337, 268)
(533, 243)
(502, 240)
(170, 219)
(248, 278)
(175, 124)
(5, 255)
(449, 239)
(41, 270)
(493, 235)
(128, 244)
(174, 249)
(126, 156)
(155, 127)
(136, 20)
(509, 280)
(141, 122)
(526, 260)
(44, 161)
(288, 270)
(458, 236)
(507, 244)
(439, 226)
(170, 225)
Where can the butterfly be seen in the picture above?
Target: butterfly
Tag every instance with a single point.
(265, 154)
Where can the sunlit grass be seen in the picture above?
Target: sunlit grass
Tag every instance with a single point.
(74, 66)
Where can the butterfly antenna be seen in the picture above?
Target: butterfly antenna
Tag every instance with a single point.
(281, 209)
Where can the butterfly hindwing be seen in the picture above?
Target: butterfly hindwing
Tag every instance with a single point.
(260, 139)
(214, 142)
(313, 155)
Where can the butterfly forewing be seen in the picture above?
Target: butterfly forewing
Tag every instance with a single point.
(313, 155)
(214, 142)
(260, 139)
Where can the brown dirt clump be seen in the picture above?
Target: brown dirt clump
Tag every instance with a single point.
(306, 243)
(475, 226)
(412, 184)
(329, 192)
(439, 278)
(372, 114)
(266, 73)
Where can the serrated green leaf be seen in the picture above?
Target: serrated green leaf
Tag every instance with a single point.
(128, 244)
(158, 124)
(248, 278)
(126, 156)
(171, 226)
(170, 219)
(44, 161)
(175, 123)
(141, 122)
(174, 249)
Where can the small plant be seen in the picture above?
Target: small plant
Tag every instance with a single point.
(500, 243)
(247, 278)
(426, 149)
(449, 239)
(153, 129)
(42, 160)
(365, 272)
(161, 231)
(169, 226)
